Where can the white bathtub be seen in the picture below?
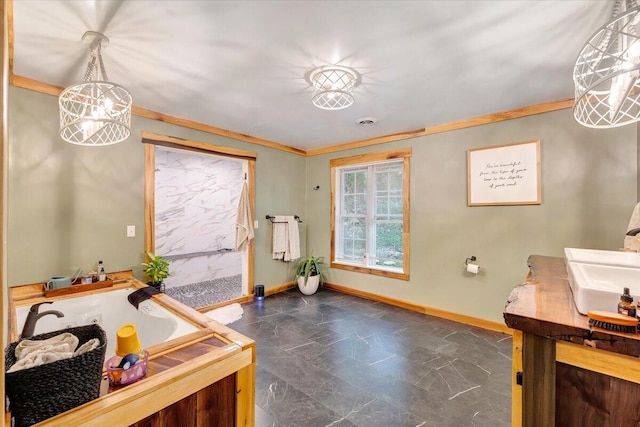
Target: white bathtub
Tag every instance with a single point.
(110, 310)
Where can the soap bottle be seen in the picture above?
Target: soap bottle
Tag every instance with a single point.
(626, 306)
(102, 274)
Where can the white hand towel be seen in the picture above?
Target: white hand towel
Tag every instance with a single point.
(279, 238)
(92, 344)
(40, 358)
(244, 220)
(25, 347)
(294, 238)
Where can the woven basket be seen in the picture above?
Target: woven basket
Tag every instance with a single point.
(44, 391)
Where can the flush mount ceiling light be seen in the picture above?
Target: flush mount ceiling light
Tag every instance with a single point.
(607, 69)
(95, 112)
(333, 85)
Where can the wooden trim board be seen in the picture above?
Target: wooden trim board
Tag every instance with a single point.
(448, 127)
(6, 53)
(601, 361)
(436, 312)
(201, 147)
(38, 86)
(46, 88)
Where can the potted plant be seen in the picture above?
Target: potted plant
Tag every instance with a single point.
(309, 273)
(157, 269)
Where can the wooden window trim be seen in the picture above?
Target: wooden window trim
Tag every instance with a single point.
(405, 155)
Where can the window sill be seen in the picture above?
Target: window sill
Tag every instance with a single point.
(369, 270)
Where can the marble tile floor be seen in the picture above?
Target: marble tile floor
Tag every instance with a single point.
(333, 359)
(204, 294)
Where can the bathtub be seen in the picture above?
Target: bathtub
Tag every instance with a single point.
(110, 310)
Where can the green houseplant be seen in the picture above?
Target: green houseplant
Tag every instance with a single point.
(309, 273)
(156, 269)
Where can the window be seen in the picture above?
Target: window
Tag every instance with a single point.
(370, 220)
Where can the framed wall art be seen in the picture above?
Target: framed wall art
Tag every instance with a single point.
(506, 174)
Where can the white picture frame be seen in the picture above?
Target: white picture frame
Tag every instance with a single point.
(503, 175)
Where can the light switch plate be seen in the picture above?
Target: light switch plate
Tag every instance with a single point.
(131, 231)
(255, 224)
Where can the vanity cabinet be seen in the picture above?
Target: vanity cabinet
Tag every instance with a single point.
(566, 373)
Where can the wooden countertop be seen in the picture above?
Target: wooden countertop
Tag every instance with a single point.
(543, 305)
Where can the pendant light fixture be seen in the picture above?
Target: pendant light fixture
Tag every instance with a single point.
(333, 85)
(607, 88)
(95, 112)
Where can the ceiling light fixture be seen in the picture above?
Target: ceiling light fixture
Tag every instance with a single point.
(333, 85)
(607, 70)
(95, 112)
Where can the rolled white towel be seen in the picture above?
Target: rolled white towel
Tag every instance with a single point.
(38, 358)
(92, 344)
(25, 347)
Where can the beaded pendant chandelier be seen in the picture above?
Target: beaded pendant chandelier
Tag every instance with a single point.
(95, 112)
(607, 88)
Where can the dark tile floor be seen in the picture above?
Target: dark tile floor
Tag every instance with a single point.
(336, 360)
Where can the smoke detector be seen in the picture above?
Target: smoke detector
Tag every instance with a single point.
(366, 121)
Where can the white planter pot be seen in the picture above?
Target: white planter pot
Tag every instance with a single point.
(312, 285)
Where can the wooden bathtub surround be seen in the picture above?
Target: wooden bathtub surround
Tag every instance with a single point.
(573, 375)
(202, 379)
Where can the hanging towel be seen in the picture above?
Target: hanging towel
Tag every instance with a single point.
(279, 236)
(244, 220)
(294, 239)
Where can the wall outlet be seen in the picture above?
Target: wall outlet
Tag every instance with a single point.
(131, 231)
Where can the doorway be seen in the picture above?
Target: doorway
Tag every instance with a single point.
(191, 219)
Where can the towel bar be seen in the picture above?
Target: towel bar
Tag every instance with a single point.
(271, 218)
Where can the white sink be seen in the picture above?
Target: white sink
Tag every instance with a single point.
(598, 286)
(595, 256)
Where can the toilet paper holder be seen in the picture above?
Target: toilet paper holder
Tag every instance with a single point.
(470, 259)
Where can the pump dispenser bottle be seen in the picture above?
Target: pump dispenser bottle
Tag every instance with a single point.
(102, 274)
(626, 306)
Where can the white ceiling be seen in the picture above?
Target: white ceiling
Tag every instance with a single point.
(241, 65)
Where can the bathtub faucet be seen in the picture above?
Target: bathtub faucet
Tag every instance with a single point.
(34, 316)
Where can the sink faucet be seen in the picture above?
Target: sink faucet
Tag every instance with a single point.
(34, 316)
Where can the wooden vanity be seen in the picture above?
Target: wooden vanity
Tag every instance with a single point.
(203, 379)
(572, 374)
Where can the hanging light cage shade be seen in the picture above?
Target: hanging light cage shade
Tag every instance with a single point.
(607, 88)
(95, 112)
(333, 85)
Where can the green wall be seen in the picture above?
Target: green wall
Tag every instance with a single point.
(68, 206)
(588, 193)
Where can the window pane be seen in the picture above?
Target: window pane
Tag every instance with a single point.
(382, 206)
(349, 183)
(382, 181)
(395, 180)
(395, 205)
(389, 244)
(360, 205)
(348, 205)
(353, 238)
(361, 181)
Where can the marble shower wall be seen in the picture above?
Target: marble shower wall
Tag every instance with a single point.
(196, 200)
